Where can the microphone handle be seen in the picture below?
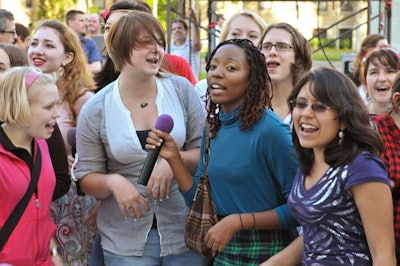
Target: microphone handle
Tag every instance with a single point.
(148, 166)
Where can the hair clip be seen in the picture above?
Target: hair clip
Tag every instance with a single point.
(105, 14)
(31, 77)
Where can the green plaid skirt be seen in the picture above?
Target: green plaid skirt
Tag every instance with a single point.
(251, 247)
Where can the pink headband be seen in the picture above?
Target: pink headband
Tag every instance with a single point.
(31, 77)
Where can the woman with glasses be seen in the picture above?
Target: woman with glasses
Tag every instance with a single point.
(251, 162)
(288, 55)
(340, 194)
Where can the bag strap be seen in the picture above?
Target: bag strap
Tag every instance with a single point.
(206, 148)
(16, 214)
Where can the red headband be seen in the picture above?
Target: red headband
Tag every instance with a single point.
(31, 77)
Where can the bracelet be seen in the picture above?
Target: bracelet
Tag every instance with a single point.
(254, 221)
(241, 222)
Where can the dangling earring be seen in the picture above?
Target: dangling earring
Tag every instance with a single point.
(341, 137)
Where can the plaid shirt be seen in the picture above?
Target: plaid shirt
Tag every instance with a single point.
(391, 157)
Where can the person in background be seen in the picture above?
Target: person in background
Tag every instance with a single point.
(93, 25)
(23, 37)
(388, 125)
(76, 20)
(182, 46)
(111, 133)
(379, 70)
(369, 43)
(55, 49)
(250, 150)
(11, 56)
(218, 27)
(288, 56)
(172, 63)
(28, 110)
(341, 194)
(244, 25)
(7, 27)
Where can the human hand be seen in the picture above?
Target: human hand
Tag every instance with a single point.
(220, 234)
(156, 138)
(90, 220)
(192, 14)
(130, 201)
(160, 182)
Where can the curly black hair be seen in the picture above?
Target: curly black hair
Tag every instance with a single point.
(258, 91)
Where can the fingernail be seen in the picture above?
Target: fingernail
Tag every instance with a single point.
(135, 219)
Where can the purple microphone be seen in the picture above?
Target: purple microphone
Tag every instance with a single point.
(164, 123)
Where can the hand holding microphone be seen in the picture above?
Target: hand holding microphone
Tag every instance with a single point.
(164, 123)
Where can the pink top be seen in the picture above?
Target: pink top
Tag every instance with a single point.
(65, 120)
(29, 243)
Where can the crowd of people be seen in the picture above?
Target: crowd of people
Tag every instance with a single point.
(303, 163)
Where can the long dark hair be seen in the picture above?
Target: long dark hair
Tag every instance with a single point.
(337, 91)
(258, 91)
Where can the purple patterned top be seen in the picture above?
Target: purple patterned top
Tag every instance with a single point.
(332, 226)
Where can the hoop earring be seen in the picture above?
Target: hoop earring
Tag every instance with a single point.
(341, 137)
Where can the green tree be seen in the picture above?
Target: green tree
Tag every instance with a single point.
(53, 9)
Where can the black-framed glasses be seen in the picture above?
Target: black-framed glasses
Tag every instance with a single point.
(316, 107)
(8, 31)
(280, 46)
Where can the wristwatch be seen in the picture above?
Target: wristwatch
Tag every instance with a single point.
(55, 251)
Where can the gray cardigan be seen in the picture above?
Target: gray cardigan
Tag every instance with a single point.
(107, 143)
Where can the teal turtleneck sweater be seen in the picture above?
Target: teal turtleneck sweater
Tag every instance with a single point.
(250, 170)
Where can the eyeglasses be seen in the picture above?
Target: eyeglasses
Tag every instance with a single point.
(280, 46)
(8, 31)
(316, 107)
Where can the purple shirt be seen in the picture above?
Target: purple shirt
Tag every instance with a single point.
(332, 226)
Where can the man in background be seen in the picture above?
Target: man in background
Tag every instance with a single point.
(182, 46)
(7, 27)
(23, 37)
(93, 25)
(76, 20)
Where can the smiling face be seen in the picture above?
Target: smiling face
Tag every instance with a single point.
(147, 56)
(43, 99)
(227, 77)
(46, 51)
(243, 27)
(279, 63)
(379, 81)
(315, 129)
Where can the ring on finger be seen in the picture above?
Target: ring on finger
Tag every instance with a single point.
(154, 187)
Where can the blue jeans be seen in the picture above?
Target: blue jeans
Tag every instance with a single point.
(96, 257)
(151, 256)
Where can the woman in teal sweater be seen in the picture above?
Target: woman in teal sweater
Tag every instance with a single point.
(252, 161)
